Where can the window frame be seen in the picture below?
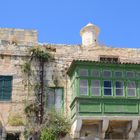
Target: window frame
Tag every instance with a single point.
(53, 104)
(135, 89)
(134, 74)
(112, 77)
(100, 88)
(119, 88)
(83, 75)
(118, 70)
(108, 88)
(87, 87)
(109, 70)
(4, 90)
(91, 71)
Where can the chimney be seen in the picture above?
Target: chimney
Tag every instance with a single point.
(89, 35)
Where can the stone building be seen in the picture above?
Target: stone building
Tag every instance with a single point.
(97, 86)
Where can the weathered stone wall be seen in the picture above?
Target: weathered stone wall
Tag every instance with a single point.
(18, 36)
(65, 54)
(11, 58)
(13, 55)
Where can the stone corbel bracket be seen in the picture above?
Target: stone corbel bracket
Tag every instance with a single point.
(105, 124)
(76, 127)
(132, 126)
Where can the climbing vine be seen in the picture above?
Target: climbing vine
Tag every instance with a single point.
(44, 125)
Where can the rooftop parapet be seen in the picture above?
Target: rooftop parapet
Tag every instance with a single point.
(18, 36)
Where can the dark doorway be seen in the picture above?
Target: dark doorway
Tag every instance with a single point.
(11, 136)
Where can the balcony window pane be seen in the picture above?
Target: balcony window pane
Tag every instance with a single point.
(138, 75)
(130, 74)
(83, 72)
(83, 87)
(107, 84)
(107, 88)
(131, 85)
(118, 74)
(119, 88)
(131, 92)
(95, 87)
(131, 88)
(107, 73)
(95, 73)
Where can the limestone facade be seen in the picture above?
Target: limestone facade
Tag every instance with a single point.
(14, 48)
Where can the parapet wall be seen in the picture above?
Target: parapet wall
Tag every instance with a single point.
(19, 36)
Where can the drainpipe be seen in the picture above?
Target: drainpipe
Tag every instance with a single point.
(41, 90)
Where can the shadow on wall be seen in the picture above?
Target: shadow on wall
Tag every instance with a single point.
(11, 136)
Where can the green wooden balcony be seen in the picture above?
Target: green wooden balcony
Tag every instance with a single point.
(104, 106)
(102, 89)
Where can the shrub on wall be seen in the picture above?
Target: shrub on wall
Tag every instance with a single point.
(15, 120)
(55, 127)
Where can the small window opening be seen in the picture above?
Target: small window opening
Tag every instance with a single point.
(109, 59)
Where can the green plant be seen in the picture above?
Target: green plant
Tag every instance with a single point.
(15, 120)
(26, 68)
(36, 61)
(56, 126)
(40, 54)
(47, 134)
(31, 110)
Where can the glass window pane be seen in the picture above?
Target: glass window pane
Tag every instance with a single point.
(95, 83)
(54, 98)
(107, 73)
(131, 88)
(107, 84)
(83, 87)
(58, 99)
(95, 73)
(95, 91)
(107, 88)
(107, 92)
(131, 84)
(119, 92)
(139, 85)
(83, 72)
(138, 75)
(131, 92)
(119, 88)
(50, 98)
(118, 74)
(95, 87)
(130, 74)
(119, 84)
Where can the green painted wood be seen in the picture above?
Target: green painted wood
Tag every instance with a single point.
(105, 106)
(121, 108)
(90, 107)
(5, 87)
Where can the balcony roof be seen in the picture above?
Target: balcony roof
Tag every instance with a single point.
(91, 62)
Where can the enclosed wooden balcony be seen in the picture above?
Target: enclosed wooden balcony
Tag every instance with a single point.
(104, 89)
